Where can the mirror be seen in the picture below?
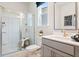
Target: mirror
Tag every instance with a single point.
(65, 15)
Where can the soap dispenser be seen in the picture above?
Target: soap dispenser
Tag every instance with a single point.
(76, 36)
(65, 34)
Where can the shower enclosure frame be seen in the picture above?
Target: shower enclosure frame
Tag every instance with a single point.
(1, 18)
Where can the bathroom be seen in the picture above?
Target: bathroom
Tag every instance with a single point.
(26, 26)
(20, 29)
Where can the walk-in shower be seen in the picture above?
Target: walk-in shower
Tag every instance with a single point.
(10, 32)
(14, 26)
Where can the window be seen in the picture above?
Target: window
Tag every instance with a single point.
(42, 15)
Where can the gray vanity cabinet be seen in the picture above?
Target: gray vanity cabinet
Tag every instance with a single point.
(52, 48)
(54, 54)
(58, 55)
(46, 51)
(50, 52)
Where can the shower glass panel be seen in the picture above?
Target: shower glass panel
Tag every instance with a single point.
(31, 28)
(10, 32)
(28, 28)
(0, 31)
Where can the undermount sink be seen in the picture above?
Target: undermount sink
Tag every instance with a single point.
(62, 37)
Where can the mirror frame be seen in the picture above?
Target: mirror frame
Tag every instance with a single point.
(76, 10)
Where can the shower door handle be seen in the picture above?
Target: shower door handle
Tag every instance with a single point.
(3, 32)
(4, 44)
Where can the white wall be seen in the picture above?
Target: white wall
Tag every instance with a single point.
(58, 16)
(78, 15)
(15, 6)
(61, 10)
(46, 29)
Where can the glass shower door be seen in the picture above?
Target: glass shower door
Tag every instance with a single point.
(10, 32)
(14, 29)
(0, 31)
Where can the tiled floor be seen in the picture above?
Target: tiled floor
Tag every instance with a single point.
(25, 53)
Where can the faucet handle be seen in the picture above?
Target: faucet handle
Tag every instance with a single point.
(65, 33)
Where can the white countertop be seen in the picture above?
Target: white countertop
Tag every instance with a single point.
(67, 40)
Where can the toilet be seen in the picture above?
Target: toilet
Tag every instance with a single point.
(32, 47)
(29, 47)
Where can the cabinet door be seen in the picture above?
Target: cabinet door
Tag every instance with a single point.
(56, 53)
(50, 52)
(42, 49)
(76, 51)
(46, 51)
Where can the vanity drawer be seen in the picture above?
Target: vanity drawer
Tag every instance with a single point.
(59, 46)
(57, 53)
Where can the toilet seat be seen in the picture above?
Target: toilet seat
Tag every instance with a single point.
(32, 48)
